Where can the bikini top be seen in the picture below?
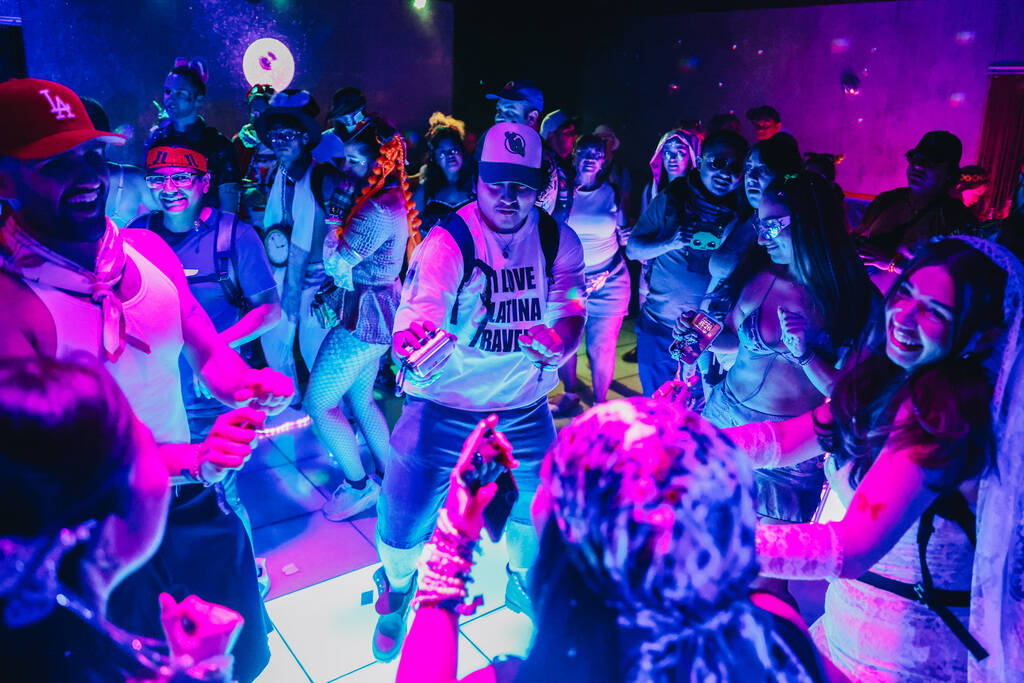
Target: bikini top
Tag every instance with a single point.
(749, 334)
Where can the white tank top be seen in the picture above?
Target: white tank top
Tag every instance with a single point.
(150, 381)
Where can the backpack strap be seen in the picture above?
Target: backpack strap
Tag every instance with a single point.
(459, 231)
(225, 259)
(550, 236)
(455, 226)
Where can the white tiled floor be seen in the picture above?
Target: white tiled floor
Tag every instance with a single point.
(322, 593)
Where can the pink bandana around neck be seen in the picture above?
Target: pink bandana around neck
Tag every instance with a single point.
(24, 256)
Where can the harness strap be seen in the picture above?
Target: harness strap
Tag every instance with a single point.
(954, 506)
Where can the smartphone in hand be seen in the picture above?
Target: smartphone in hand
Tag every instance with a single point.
(705, 329)
(487, 457)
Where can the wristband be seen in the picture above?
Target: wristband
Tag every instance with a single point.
(445, 569)
(195, 472)
(806, 358)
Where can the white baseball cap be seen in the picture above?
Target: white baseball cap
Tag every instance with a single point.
(511, 154)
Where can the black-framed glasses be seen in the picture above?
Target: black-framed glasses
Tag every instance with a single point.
(283, 136)
(731, 166)
(769, 228)
(182, 180)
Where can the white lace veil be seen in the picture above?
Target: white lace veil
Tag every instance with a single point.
(997, 589)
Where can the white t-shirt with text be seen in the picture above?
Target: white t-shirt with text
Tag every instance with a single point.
(493, 373)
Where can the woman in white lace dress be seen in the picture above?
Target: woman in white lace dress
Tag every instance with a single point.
(914, 429)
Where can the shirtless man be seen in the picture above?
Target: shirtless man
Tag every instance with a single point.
(76, 285)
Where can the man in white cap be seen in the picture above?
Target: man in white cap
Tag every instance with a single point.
(507, 281)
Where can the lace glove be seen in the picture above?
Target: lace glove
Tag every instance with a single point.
(760, 441)
(799, 551)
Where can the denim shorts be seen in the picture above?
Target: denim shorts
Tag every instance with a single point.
(425, 446)
(788, 494)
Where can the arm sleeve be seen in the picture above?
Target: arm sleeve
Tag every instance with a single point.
(255, 276)
(566, 296)
(651, 231)
(365, 233)
(432, 282)
(799, 551)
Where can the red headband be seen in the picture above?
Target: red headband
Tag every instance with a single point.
(162, 157)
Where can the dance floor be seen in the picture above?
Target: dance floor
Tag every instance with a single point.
(322, 592)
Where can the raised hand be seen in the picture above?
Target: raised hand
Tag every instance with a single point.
(485, 454)
(794, 331)
(542, 346)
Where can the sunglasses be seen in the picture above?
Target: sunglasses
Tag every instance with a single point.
(276, 136)
(730, 166)
(183, 180)
(769, 228)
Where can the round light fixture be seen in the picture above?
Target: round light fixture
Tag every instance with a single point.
(268, 61)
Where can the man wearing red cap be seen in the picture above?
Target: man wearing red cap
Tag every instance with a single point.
(75, 284)
(507, 281)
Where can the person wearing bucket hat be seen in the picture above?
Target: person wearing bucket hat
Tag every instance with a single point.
(507, 281)
(347, 116)
(295, 225)
(899, 220)
(184, 94)
(77, 286)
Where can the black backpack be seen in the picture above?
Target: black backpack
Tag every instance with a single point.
(455, 226)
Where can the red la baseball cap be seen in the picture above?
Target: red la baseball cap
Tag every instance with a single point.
(40, 119)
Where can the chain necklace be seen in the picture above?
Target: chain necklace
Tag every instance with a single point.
(506, 247)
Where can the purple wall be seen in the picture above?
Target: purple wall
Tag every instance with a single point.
(922, 65)
(119, 52)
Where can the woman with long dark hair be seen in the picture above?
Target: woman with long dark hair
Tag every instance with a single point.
(926, 434)
(363, 254)
(448, 179)
(766, 161)
(789, 326)
(646, 556)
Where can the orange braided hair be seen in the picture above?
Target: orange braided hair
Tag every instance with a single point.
(390, 160)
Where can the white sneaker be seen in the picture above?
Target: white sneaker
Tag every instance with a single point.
(347, 502)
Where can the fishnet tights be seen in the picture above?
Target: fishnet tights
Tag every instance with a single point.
(345, 369)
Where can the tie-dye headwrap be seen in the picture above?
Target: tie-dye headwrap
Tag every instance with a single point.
(657, 511)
